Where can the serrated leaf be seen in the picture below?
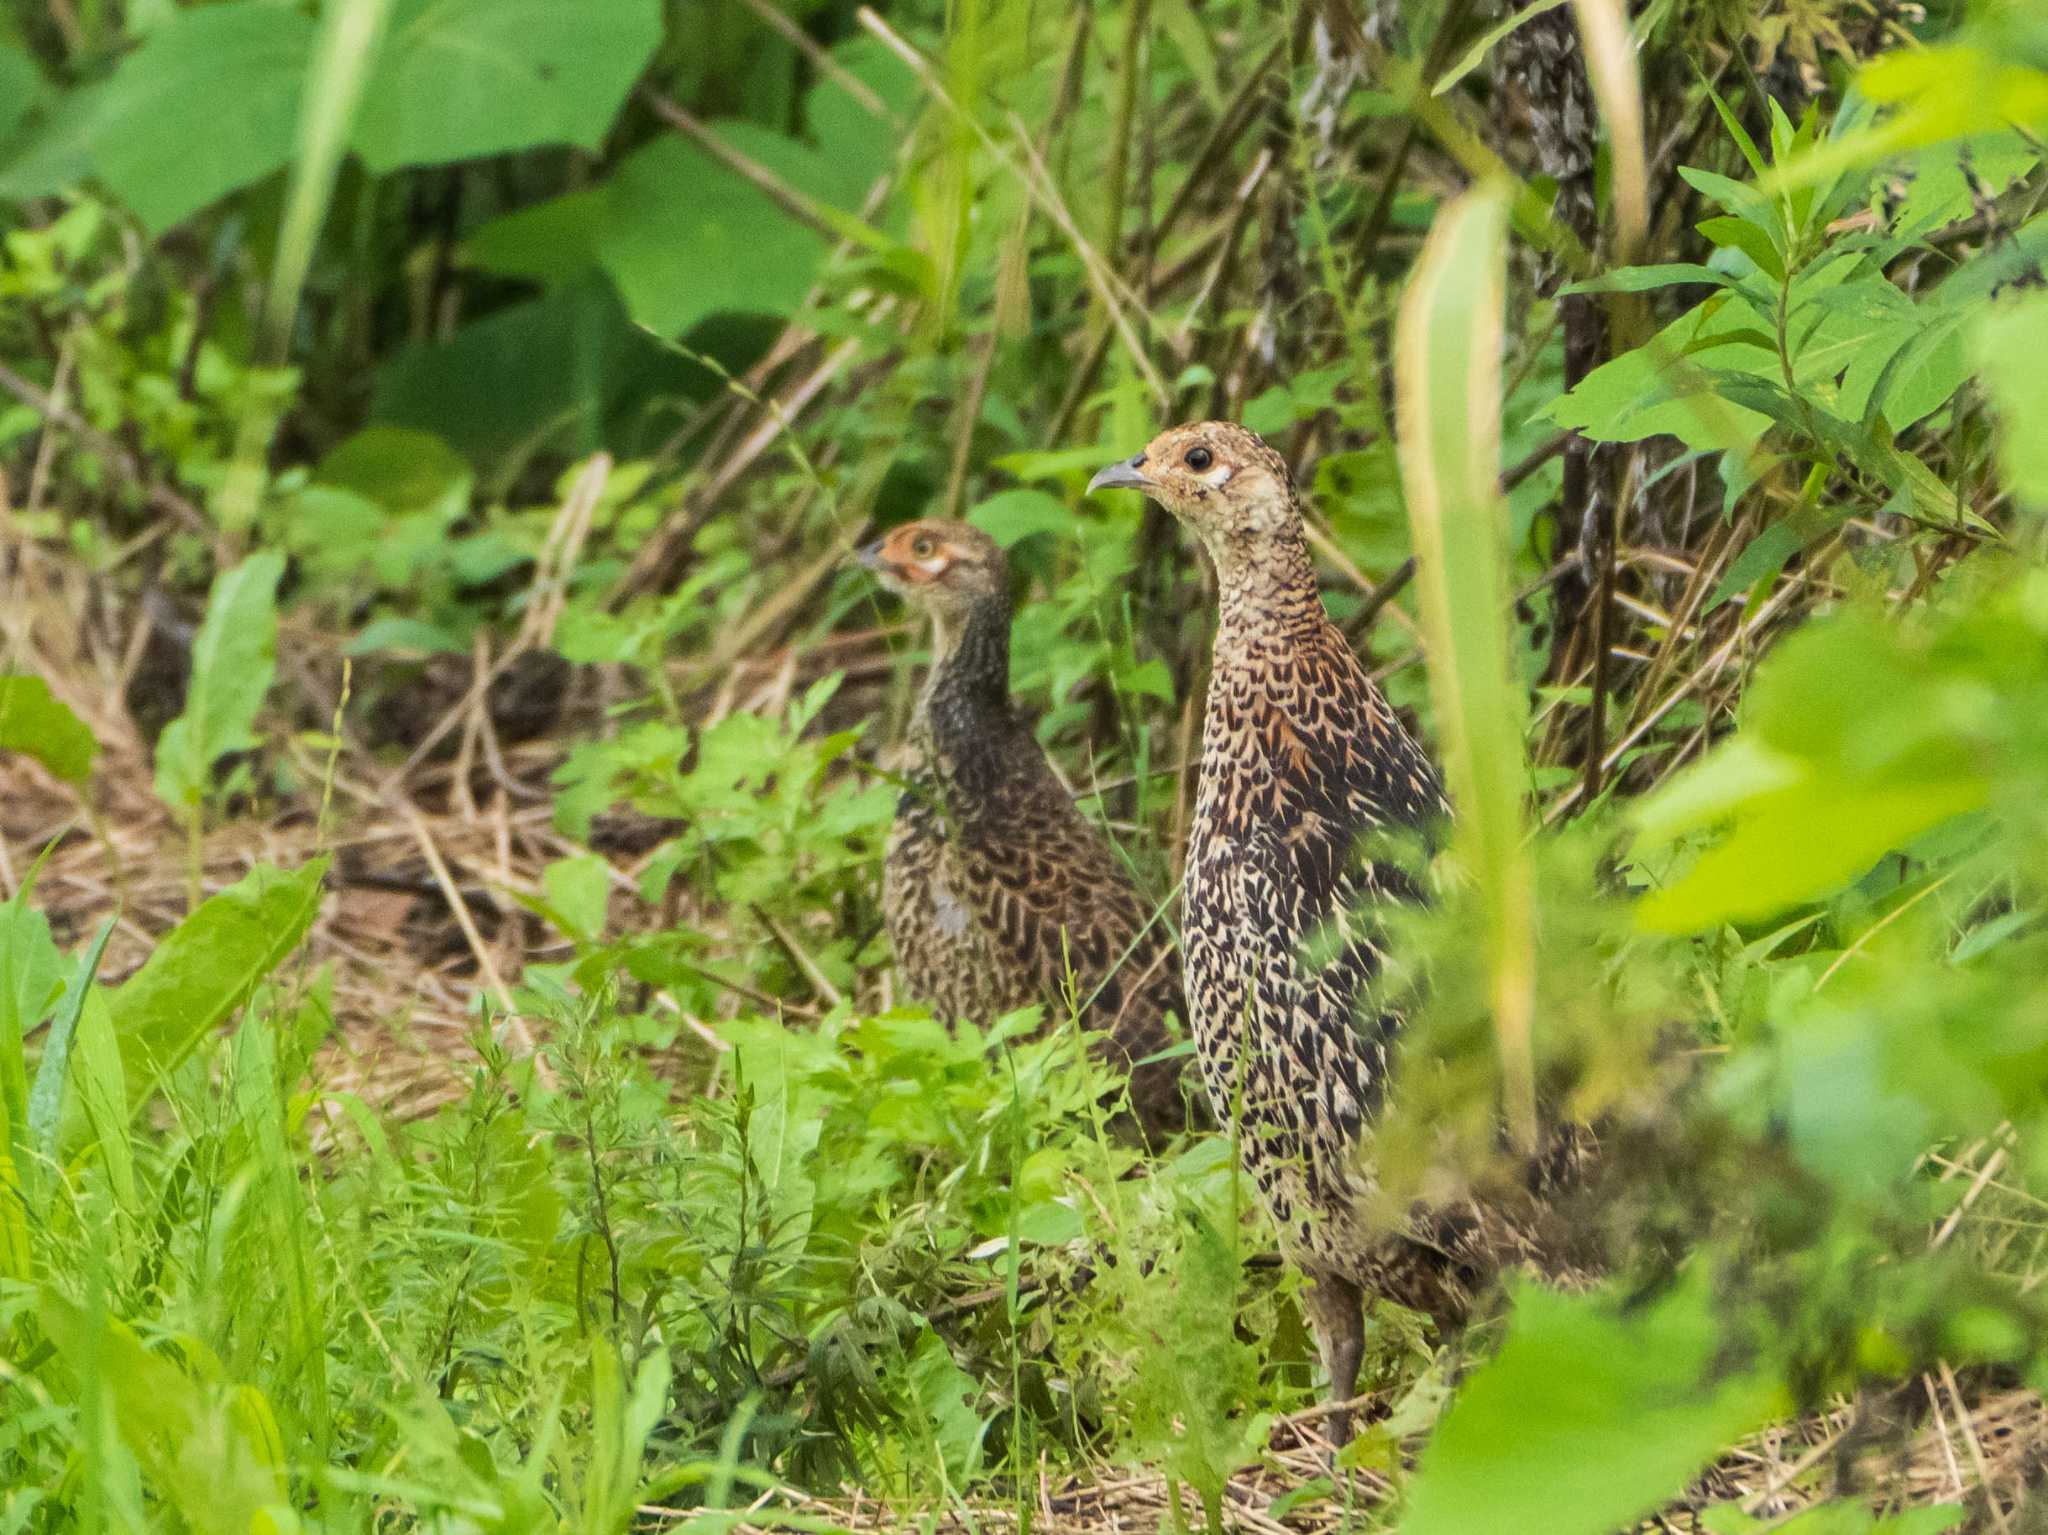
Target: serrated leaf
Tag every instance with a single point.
(461, 78)
(234, 656)
(205, 968)
(35, 723)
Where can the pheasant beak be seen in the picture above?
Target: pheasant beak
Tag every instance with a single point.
(869, 556)
(1124, 474)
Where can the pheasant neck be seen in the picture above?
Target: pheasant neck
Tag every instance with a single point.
(966, 702)
(1267, 594)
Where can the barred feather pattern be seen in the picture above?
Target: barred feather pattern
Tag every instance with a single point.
(998, 893)
(1303, 760)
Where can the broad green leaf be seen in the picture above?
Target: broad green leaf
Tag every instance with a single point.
(578, 891)
(234, 656)
(2012, 342)
(685, 236)
(21, 89)
(55, 153)
(206, 967)
(546, 373)
(550, 242)
(1011, 516)
(37, 724)
(1743, 769)
(1587, 1418)
(861, 145)
(1802, 844)
(1659, 388)
(209, 103)
(1447, 373)
(400, 470)
(463, 78)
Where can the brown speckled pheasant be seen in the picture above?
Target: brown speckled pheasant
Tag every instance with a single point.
(997, 891)
(1301, 758)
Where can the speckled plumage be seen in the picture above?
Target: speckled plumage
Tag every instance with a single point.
(998, 893)
(1303, 762)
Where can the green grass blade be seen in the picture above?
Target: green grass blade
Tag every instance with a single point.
(46, 1098)
(1447, 361)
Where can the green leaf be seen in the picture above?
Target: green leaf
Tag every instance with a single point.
(1805, 843)
(685, 236)
(56, 153)
(551, 242)
(462, 78)
(103, 1092)
(546, 373)
(209, 103)
(578, 890)
(21, 89)
(205, 968)
(401, 470)
(35, 723)
(31, 970)
(1011, 516)
(234, 656)
(1765, 555)
(1755, 243)
(1645, 279)
(1586, 1419)
(2012, 340)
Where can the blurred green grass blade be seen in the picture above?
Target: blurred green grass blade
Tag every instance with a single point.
(46, 1098)
(211, 1452)
(31, 967)
(259, 1097)
(344, 51)
(1447, 359)
(343, 54)
(1610, 57)
(103, 1093)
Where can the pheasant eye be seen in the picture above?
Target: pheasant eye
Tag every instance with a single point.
(923, 549)
(1198, 458)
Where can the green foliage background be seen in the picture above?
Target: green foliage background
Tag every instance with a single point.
(406, 333)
